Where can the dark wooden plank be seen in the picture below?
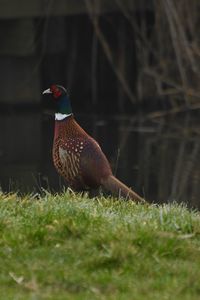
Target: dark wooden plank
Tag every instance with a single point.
(20, 80)
(35, 8)
(17, 37)
(20, 141)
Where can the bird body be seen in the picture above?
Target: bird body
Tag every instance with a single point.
(78, 157)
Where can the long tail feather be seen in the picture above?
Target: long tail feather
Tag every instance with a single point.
(119, 189)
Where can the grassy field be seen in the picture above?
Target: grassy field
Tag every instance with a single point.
(72, 247)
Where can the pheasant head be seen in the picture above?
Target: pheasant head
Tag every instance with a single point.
(61, 97)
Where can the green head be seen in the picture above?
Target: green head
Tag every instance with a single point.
(60, 95)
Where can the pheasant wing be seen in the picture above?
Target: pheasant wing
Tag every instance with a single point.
(94, 164)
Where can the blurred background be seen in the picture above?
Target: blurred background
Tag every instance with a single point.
(132, 70)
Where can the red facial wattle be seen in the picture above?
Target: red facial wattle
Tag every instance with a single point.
(56, 92)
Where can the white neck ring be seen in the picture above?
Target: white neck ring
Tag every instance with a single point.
(60, 117)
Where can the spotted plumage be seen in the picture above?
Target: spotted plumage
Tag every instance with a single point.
(77, 156)
(73, 152)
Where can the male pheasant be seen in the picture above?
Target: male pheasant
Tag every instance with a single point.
(77, 156)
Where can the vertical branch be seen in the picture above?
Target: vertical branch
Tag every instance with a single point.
(147, 165)
(175, 40)
(121, 63)
(178, 166)
(183, 38)
(188, 168)
(71, 63)
(108, 52)
(163, 182)
(94, 69)
(194, 199)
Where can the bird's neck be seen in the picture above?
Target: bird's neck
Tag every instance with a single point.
(64, 108)
(67, 128)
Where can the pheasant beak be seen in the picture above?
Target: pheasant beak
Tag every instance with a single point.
(48, 91)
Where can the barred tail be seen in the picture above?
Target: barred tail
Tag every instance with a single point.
(117, 188)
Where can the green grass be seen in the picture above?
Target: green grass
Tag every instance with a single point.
(73, 247)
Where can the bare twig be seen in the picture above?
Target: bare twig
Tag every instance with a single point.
(175, 40)
(188, 166)
(178, 87)
(179, 164)
(183, 38)
(107, 50)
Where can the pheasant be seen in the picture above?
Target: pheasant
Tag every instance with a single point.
(77, 156)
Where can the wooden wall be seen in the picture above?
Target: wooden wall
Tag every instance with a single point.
(37, 8)
(35, 34)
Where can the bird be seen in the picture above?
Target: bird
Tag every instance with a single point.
(77, 156)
